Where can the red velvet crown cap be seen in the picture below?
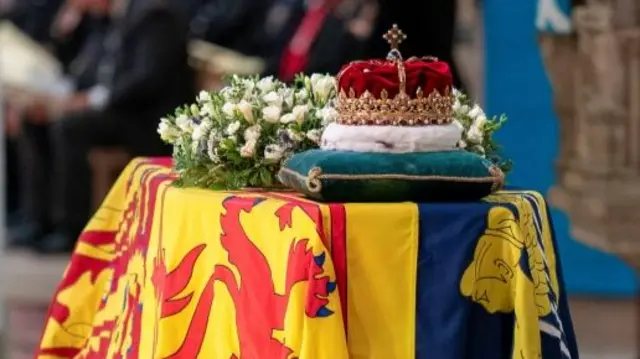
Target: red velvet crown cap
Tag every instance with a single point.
(374, 76)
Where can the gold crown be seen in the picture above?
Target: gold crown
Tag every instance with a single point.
(402, 110)
(406, 108)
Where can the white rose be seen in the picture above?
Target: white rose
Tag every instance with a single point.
(271, 114)
(475, 135)
(252, 133)
(322, 87)
(456, 106)
(288, 97)
(195, 110)
(273, 99)
(456, 93)
(464, 109)
(287, 118)
(328, 115)
(184, 123)
(167, 132)
(249, 149)
(480, 121)
(302, 96)
(233, 128)
(266, 84)
(462, 144)
(249, 85)
(229, 109)
(294, 135)
(314, 135)
(299, 112)
(202, 130)
(247, 111)
(273, 153)
(204, 96)
(207, 109)
(475, 112)
(227, 93)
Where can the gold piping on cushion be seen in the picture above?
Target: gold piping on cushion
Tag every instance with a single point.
(313, 180)
(315, 176)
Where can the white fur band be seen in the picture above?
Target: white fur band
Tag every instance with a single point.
(391, 139)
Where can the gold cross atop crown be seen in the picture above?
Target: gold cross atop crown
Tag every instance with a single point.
(395, 37)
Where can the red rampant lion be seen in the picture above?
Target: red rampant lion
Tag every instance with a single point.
(260, 310)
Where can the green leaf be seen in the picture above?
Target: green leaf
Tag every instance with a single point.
(266, 177)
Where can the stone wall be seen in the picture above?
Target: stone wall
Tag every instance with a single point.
(595, 74)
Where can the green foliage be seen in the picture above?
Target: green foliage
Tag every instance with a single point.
(479, 131)
(238, 137)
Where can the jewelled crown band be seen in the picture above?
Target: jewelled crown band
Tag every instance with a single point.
(403, 109)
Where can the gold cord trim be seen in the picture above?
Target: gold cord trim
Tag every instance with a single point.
(315, 175)
(313, 180)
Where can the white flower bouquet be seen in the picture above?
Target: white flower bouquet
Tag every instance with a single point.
(239, 137)
(478, 130)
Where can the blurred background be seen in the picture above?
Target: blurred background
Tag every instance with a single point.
(84, 82)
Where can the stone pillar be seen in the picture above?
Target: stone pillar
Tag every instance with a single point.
(595, 74)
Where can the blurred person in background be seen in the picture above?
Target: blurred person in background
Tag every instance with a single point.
(349, 28)
(59, 28)
(335, 32)
(31, 129)
(142, 75)
(12, 180)
(230, 23)
(72, 30)
(189, 8)
(280, 24)
(332, 33)
(38, 20)
(33, 17)
(57, 25)
(329, 34)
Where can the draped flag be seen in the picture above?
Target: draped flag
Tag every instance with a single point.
(166, 272)
(490, 282)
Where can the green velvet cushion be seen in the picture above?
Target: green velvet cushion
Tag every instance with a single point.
(338, 176)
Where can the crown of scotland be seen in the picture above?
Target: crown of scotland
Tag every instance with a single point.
(415, 92)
